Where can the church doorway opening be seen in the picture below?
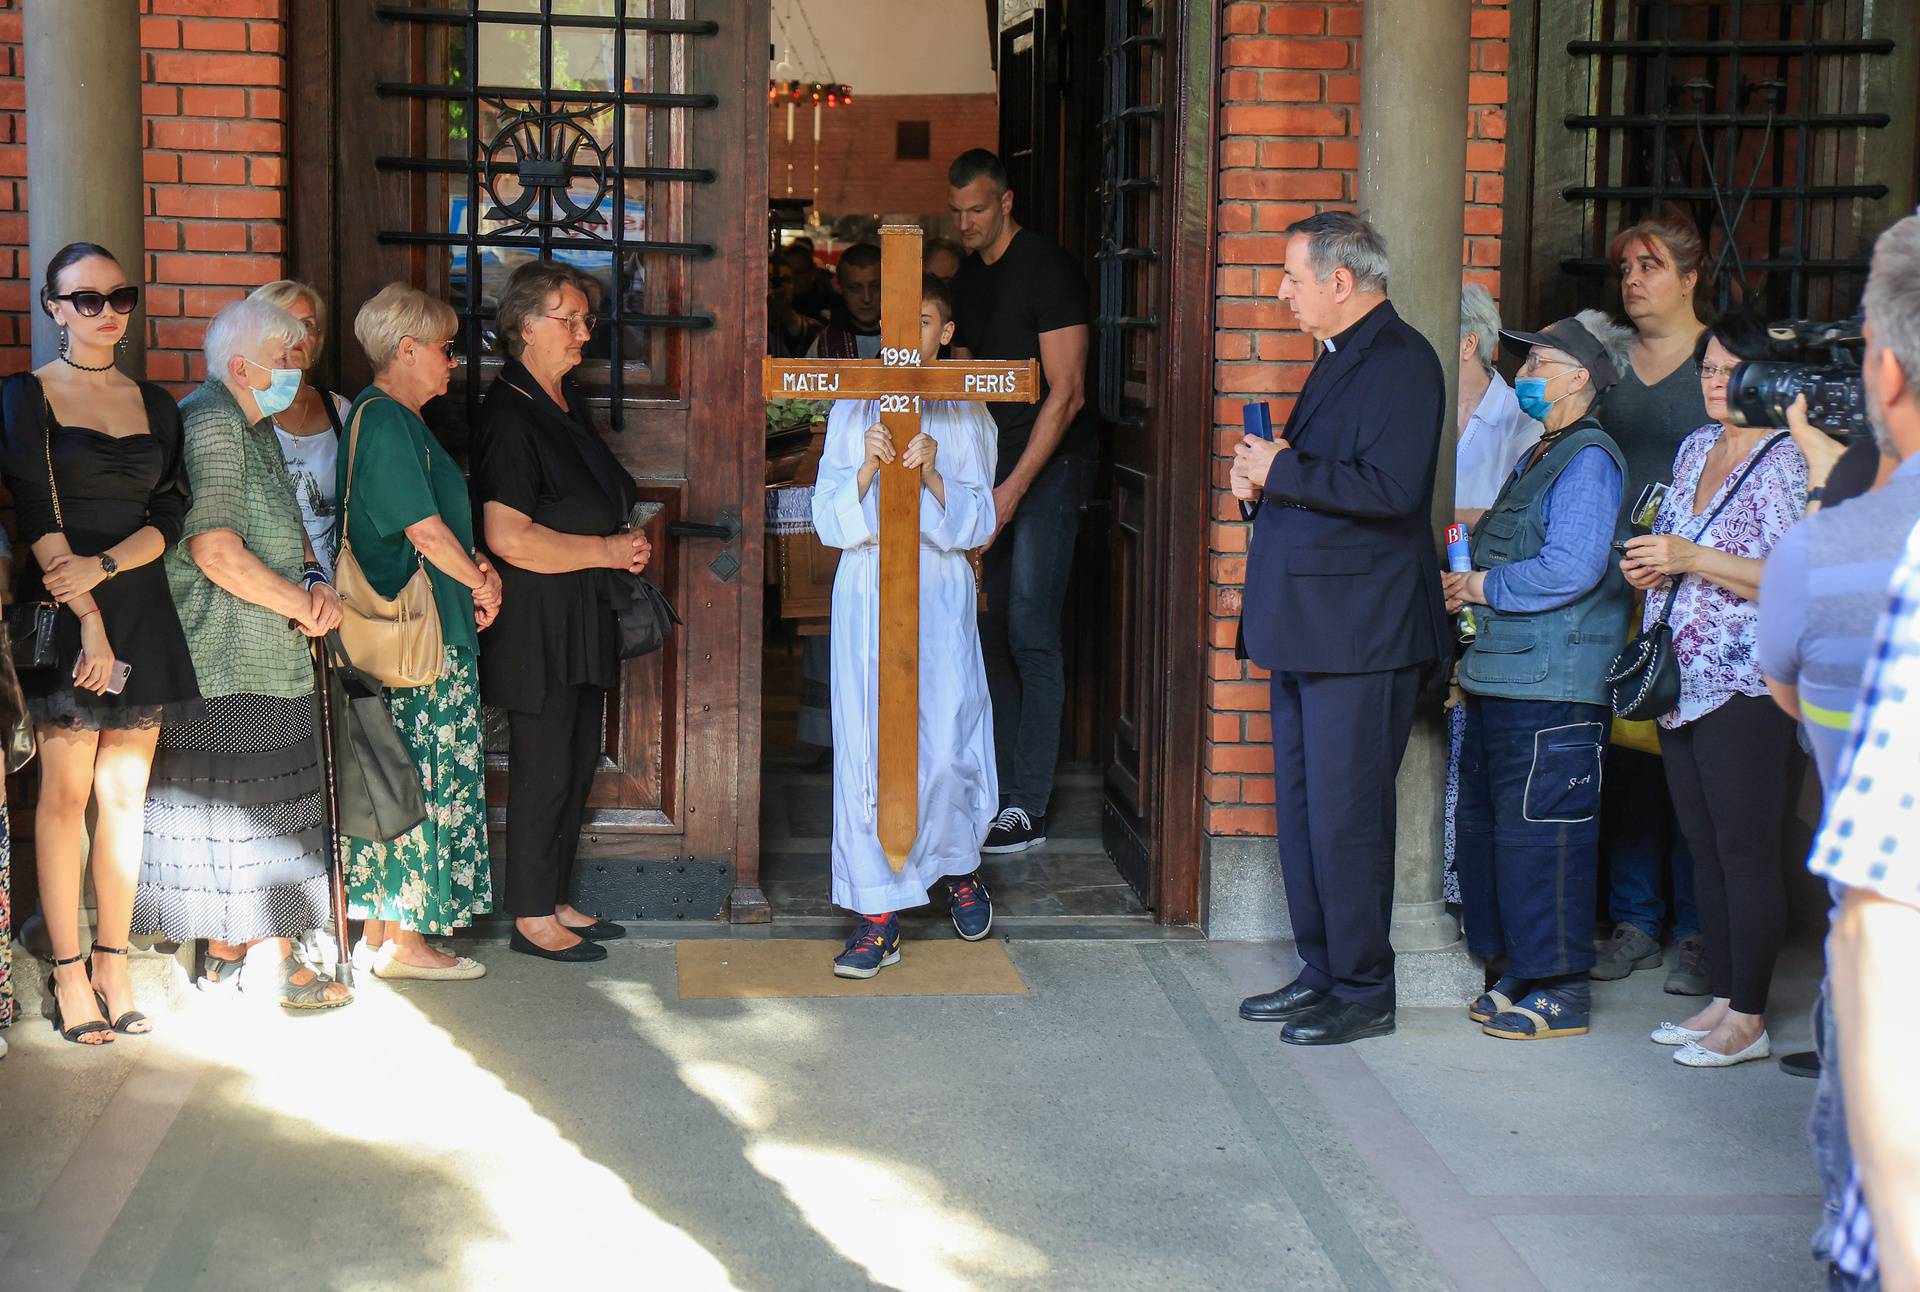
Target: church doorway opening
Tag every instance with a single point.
(868, 104)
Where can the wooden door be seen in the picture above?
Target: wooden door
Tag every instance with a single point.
(1152, 356)
(442, 144)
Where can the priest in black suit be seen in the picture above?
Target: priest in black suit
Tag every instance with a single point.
(1342, 605)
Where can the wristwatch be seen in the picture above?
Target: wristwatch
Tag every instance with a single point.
(109, 565)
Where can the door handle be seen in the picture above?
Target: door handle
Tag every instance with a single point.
(726, 530)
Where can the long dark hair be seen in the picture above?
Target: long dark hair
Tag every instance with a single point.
(63, 260)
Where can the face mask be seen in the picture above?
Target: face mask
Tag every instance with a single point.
(1532, 394)
(277, 398)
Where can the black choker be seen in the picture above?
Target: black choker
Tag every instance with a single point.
(105, 367)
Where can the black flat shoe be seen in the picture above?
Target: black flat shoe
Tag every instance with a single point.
(1336, 1022)
(1806, 1063)
(1281, 1004)
(598, 931)
(578, 953)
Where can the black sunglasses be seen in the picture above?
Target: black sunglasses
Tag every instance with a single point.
(89, 304)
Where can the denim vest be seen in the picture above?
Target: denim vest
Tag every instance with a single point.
(1560, 655)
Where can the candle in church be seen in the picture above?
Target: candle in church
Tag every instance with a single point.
(816, 123)
(789, 120)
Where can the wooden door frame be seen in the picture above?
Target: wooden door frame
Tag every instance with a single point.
(314, 216)
(1183, 464)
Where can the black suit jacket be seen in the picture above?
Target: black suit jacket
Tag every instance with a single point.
(1343, 575)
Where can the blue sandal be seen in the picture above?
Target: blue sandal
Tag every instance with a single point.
(1497, 999)
(1544, 1012)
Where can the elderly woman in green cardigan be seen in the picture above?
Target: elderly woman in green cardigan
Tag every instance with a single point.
(235, 824)
(405, 504)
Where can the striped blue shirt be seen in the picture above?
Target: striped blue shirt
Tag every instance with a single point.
(1870, 838)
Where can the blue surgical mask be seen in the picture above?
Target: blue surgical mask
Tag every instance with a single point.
(1532, 394)
(277, 398)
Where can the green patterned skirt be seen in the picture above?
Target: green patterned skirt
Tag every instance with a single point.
(436, 877)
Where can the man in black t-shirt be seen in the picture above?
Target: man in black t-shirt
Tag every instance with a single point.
(1020, 296)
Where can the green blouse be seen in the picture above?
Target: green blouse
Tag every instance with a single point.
(401, 476)
(240, 483)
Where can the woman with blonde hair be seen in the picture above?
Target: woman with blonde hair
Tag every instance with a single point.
(404, 505)
(309, 428)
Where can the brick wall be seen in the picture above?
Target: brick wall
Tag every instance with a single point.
(214, 102)
(859, 173)
(1290, 96)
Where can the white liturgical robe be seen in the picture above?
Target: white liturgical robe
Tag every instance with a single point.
(959, 789)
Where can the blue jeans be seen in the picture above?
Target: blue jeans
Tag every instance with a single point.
(1527, 832)
(1832, 1151)
(1639, 835)
(1026, 573)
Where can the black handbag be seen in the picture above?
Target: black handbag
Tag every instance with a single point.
(642, 613)
(18, 743)
(30, 623)
(374, 776)
(1644, 680)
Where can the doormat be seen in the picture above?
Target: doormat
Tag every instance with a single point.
(792, 968)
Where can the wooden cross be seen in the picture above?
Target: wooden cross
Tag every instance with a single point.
(899, 381)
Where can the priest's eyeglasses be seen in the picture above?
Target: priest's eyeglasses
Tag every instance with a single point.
(89, 304)
(576, 322)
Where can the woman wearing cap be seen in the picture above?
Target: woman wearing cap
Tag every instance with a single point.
(1732, 758)
(1552, 613)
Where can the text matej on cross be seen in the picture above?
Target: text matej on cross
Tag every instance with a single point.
(897, 380)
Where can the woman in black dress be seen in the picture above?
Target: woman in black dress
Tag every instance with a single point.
(554, 503)
(93, 460)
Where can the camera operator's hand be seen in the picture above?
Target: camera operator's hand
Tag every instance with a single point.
(1819, 449)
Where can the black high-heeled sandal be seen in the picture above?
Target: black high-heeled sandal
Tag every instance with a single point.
(50, 1010)
(128, 1023)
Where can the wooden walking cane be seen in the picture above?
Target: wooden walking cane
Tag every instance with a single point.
(337, 862)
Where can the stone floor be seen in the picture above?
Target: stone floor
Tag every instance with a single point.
(1114, 1128)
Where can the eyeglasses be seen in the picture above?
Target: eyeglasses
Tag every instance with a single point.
(450, 349)
(1535, 362)
(1711, 372)
(575, 322)
(89, 304)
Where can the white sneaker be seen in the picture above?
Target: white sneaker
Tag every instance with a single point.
(1695, 1055)
(1674, 1034)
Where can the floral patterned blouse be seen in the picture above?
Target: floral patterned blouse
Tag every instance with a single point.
(1714, 629)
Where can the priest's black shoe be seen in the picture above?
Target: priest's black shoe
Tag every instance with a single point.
(1335, 1022)
(1281, 1004)
(579, 953)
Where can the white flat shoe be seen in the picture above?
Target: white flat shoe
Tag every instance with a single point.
(365, 956)
(390, 968)
(3, 1047)
(1674, 1034)
(1695, 1055)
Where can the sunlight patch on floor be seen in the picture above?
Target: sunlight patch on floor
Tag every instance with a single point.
(892, 1220)
(381, 1072)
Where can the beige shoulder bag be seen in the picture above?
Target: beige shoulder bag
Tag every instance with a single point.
(397, 640)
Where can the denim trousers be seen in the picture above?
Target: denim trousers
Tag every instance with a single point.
(1639, 836)
(1026, 573)
(1527, 832)
(1832, 1150)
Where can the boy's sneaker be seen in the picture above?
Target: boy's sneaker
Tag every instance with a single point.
(1688, 977)
(1628, 949)
(871, 947)
(971, 907)
(1014, 831)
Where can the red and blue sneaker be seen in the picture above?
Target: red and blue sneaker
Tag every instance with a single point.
(971, 906)
(871, 947)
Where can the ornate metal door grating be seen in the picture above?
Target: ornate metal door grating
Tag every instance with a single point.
(533, 132)
(1130, 136)
(1756, 117)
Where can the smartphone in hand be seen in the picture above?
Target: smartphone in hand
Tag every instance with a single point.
(116, 680)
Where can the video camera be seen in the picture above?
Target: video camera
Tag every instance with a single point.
(1819, 360)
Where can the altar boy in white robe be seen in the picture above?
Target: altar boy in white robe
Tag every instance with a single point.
(959, 790)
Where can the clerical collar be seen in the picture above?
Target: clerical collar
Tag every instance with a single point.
(1333, 343)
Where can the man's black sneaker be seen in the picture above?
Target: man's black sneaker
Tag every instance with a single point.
(1014, 831)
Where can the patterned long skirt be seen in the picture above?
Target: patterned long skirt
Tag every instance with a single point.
(236, 826)
(436, 877)
(6, 916)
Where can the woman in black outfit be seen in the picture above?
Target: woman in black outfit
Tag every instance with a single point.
(554, 503)
(93, 460)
